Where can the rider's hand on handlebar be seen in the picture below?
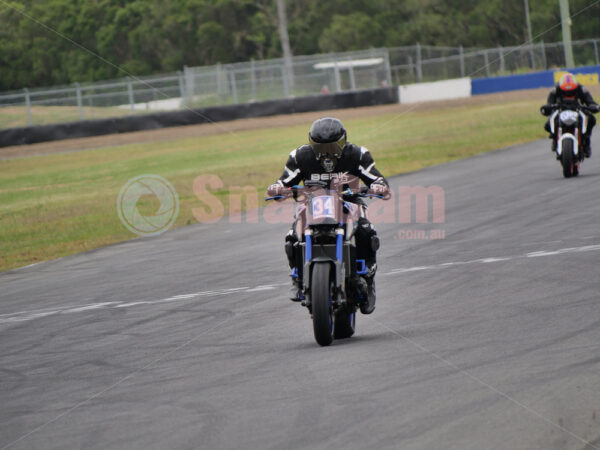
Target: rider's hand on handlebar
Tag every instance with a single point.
(546, 110)
(276, 189)
(379, 188)
(593, 108)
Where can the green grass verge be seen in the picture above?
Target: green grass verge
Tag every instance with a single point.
(60, 204)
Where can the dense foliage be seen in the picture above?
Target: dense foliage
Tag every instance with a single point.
(149, 36)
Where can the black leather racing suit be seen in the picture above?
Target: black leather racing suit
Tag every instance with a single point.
(356, 161)
(580, 95)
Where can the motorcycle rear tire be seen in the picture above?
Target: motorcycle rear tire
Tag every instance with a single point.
(344, 324)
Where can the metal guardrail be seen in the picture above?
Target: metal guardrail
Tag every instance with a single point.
(270, 79)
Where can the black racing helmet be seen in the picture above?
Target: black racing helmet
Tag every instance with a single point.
(327, 137)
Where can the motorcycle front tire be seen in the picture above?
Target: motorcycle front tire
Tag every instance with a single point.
(321, 287)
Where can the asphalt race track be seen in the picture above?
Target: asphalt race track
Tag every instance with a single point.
(487, 339)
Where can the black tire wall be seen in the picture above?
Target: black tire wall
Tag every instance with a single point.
(87, 128)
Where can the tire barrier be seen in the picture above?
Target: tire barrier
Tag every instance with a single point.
(87, 128)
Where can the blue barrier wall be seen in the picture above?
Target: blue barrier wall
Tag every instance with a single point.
(585, 75)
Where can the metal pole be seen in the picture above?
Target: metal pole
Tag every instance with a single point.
(501, 57)
(285, 79)
(529, 38)
(219, 84)
(130, 93)
(461, 54)
(419, 67)
(486, 63)
(285, 45)
(374, 77)
(253, 79)
(543, 50)
(338, 81)
(91, 104)
(181, 88)
(233, 87)
(79, 102)
(565, 20)
(28, 103)
(596, 51)
(189, 84)
(352, 80)
(388, 70)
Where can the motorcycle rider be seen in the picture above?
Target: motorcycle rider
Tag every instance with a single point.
(569, 92)
(327, 156)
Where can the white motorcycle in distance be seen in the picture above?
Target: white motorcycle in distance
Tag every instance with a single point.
(568, 124)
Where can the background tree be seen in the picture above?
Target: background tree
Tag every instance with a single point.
(153, 36)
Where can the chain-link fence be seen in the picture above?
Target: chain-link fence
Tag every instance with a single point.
(423, 63)
(273, 79)
(270, 79)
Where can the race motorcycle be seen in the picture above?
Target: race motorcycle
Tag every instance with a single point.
(568, 124)
(328, 271)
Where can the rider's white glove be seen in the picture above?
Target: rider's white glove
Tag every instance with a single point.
(276, 189)
(378, 187)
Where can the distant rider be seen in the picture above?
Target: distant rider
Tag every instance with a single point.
(569, 92)
(329, 156)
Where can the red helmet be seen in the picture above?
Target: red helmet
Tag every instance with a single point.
(567, 82)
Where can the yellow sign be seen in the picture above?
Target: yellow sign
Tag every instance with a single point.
(582, 78)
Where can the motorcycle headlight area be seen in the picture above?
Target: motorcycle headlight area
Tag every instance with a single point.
(568, 117)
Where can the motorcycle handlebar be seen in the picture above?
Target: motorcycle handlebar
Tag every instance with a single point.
(348, 194)
(555, 106)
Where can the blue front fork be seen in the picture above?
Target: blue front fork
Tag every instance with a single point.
(339, 246)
